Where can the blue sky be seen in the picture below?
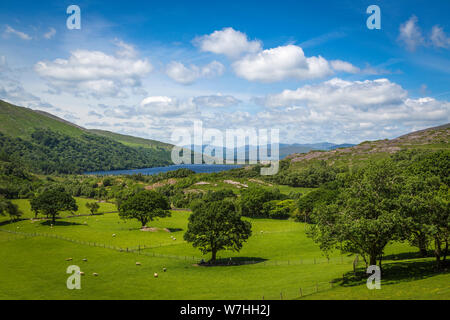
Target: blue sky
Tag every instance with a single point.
(310, 68)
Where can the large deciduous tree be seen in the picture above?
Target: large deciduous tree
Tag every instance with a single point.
(52, 201)
(7, 207)
(215, 226)
(366, 217)
(144, 206)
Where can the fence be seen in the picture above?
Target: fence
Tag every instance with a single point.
(287, 294)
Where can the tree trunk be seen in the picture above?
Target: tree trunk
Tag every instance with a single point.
(213, 256)
(422, 244)
(437, 251)
(445, 250)
(53, 219)
(373, 260)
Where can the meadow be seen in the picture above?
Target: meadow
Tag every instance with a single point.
(277, 262)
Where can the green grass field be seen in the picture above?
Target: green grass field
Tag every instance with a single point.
(285, 263)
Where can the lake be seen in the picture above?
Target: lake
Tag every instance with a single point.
(198, 168)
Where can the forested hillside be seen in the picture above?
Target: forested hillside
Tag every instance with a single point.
(46, 144)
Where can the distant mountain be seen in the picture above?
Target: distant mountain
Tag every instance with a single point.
(46, 143)
(284, 149)
(436, 138)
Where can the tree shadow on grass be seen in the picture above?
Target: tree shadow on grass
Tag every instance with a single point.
(174, 229)
(395, 272)
(406, 256)
(234, 261)
(59, 223)
(6, 222)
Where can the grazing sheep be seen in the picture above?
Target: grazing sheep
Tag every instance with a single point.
(69, 259)
(81, 273)
(85, 260)
(155, 275)
(164, 269)
(138, 263)
(95, 274)
(114, 235)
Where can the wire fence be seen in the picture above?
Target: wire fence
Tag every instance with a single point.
(147, 251)
(286, 294)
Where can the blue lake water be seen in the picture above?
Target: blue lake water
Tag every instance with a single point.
(198, 168)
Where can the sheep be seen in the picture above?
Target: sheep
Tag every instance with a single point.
(164, 269)
(69, 259)
(138, 263)
(95, 274)
(81, 273)
(155, 275)
(85, 260)
(114, 235)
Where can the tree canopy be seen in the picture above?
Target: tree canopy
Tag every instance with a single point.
(215, 226)
(52, 201)
(144, 206)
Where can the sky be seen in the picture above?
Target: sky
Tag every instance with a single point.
(312, 69)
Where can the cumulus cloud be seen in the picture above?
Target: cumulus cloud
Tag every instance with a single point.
(9, 30)
(188, 75)
(439, 38)
(94, 73)
(216, 101)
(344, 66)
(410, 34)
(284, 62)
(338, 93)
(229, 42)
(350, 111)
(50, 34)
(164, 106)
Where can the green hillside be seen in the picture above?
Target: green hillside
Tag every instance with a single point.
(20, 122)
(132, 141)
(44, 143)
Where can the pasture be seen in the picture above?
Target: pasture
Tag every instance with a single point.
(278, 262)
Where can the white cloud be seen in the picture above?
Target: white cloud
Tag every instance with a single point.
(216, 101)
(410, 34)
(339, 65)
(439, 38)
(125, 50)
(227, 41)
(50, 34)
(94, 73)
(339, 93)
(21, 35)
(284, 62)
(164, 106)
(188, 75)
(350, 111)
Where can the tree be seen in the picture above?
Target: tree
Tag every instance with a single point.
(326, 194)
(279, 209)
(252, 200)
(7, 207)
(424, 200)
(93, 207)
(145, 206)
(52, 201)
(215, 226)
(365, 217)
